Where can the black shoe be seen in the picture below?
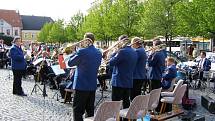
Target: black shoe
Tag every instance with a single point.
(23, 94)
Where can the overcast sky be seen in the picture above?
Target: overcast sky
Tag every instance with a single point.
(57, 9)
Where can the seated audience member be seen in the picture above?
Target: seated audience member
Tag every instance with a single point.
(170, 73)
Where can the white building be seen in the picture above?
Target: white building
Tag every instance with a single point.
(10, 23)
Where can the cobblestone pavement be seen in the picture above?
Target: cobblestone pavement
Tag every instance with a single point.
(35, 108)
(31, 108)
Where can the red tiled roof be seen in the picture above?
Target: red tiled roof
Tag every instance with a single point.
(11, 17)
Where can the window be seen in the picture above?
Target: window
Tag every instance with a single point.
(2, 22)
(16, 32)
(26, 35)
(8, 31)
(33, 35)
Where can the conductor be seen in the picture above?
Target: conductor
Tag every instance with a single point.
(18, 66)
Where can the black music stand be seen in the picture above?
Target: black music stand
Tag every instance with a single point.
(35, 87)
(43, 82)
(102, 98)
(40, 89)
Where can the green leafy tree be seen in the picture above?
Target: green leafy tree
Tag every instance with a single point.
(109, 19)
(74, 27)
(56, 33)
(44, 33)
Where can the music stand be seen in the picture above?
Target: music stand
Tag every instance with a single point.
(41, 61)
(102, 98)
(57, 71)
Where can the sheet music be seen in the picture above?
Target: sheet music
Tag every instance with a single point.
(212, 66)
(57, 70)
(49, 61)
(37, 61)
(190, 63)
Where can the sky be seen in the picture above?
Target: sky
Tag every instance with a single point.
(57, 9)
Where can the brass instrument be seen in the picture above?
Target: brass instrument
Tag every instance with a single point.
(157, 48)
(114, 49)
(70, 48)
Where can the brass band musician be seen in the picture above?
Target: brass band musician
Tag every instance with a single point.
(156, 63)
(139, 75)
(123, 62)
(87, 59)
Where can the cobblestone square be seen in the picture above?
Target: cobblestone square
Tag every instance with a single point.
(35, 108)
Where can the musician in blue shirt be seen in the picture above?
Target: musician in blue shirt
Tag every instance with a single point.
(123, 62)
(139, 75)
(156, 63)
(18, 66)
(87, 60)
(170, 73)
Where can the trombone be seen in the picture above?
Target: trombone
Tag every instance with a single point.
(114, 49)
(157, 48)
(70, 48)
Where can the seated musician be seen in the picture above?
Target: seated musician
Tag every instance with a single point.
(43, 53)
(102, 77)
(204, 65)
(67, 84)
(46, 73)
(170, 73)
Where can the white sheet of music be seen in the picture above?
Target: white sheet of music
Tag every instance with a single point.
(37, 61)
(57, 70)
(190, 63)
(212, 66)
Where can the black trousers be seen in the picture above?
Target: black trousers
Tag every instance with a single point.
(202, 79)
(155, 84)
(119, 93)
(62, 87)
(17, 81)
(136, 90)
(83, 101)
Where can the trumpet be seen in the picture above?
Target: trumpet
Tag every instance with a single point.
(70, 48)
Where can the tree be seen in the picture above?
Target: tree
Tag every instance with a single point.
(74, 26)
(56, 33)
(110, 19)
(44, 33)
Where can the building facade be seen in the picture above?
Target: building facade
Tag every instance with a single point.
(32, 26)
(10, 23)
